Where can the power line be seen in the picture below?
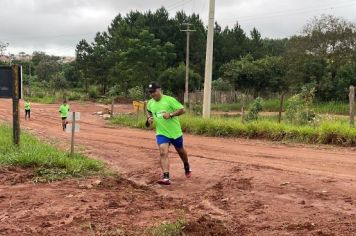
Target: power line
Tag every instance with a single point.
(293, 12)
(175, 4)
(185, 2)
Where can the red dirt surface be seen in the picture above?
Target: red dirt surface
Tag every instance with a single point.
(239, 187)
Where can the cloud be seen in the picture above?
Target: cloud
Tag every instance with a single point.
(56, 26)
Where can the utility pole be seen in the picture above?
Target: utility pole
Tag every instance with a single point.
(186, 93)
(209, 61)
(29, 81)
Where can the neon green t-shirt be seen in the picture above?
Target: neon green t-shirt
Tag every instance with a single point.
(27, 106)
(169, 128)
(64, 110)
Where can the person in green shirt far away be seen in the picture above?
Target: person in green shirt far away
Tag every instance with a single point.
(27, 109)
(164, 110)
(64, 111)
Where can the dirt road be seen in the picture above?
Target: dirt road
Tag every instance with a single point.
(254, 187)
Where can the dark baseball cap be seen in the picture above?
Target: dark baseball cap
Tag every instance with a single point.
(153, 86)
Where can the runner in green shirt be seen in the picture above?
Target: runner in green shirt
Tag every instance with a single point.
(163, 111)
(27, 109)
(64, 111)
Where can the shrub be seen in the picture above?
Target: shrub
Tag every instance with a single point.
(74, 96)
(93, 92)
(254, 109)
(136, 93)
(299, 109)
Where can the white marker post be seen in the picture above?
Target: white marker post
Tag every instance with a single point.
(74, 116)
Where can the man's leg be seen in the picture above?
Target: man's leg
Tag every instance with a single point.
(184, 157)
(63, 124)
(29, 114)
(182, 154)
(178, 144)
(163, 150)
(25, 114)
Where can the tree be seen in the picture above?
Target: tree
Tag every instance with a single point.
(71, 74)
(144, 59)
(221, 85)
(46, 69)
(173, 80)
(3, 47)
(256, 76)
(99, 61)
(315, 57)
(256, 48)
(83, 52)
(58, 81)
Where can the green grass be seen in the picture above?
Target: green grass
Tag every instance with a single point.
(168, 229)
(49, 163)
(335, 131)
(272, 105)
(44, 100)
(339, 108)
(51, 98)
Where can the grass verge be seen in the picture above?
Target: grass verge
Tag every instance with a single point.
(272, 105)
(49, 163)
(329, 132)
(168, 229)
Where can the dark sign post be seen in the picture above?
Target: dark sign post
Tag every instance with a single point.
(15, 103)
(11, 87)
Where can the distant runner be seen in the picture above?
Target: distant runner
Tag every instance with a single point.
(163, 110)
(64, 111)
(27, 109)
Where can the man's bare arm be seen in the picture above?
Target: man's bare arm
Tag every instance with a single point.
(178, 112)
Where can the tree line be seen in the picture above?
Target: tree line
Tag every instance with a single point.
(141, 47)
(144, 46)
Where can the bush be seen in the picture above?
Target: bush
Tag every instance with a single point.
(328, 132)
(168, 229)
(93, 92)
(115, 91)
(254, 109)
(299, 108)
(74, 96)
(221, 85)
(136, 93)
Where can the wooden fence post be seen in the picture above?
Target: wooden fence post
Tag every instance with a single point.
(112, 107)
(138, 113)
(145, 108)
(242, 113)
(352, 106)
(72, 139)
(281, 108)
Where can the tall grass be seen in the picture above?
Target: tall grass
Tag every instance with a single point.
(272, 105)
(335, 132)
(339, 108)
(48, 162)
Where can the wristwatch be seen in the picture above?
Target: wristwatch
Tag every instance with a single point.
(171, 115)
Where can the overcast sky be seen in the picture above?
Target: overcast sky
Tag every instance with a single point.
(56, 26)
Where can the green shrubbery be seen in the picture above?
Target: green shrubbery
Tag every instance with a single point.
(300, 107)
(93, 92)
(328, 132)
(254, 109)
